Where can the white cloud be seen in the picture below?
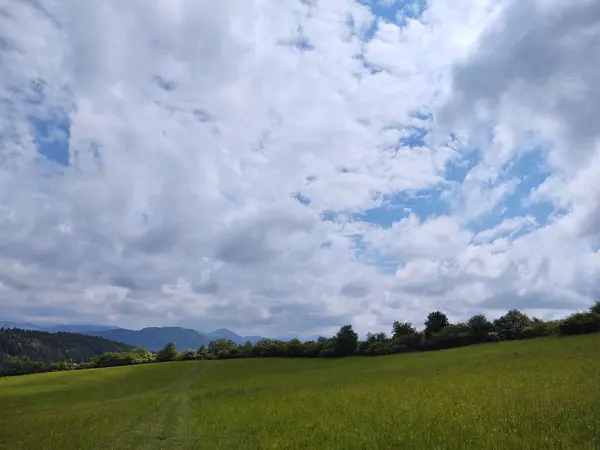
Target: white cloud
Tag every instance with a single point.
(507, 226)
(194, 124)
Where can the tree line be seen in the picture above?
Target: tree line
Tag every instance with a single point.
(438, 333)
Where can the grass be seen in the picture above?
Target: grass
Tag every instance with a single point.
(540, 394)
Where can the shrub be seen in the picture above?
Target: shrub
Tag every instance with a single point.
(168, 353)
(580, 323)
(407, 343)
(512, 325)
(188, 355)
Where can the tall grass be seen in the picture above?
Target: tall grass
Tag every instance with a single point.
(540, 394)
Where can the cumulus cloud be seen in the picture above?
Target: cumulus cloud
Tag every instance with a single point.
(203, 163)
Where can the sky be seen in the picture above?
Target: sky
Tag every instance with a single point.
(287, 167)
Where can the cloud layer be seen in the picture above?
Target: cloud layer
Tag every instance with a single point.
(288, 167)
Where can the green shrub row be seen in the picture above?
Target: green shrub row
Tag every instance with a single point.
(438, 334)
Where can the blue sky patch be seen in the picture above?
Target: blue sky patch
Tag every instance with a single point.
(395, 11)
(531, 169)
(424, 204)
(52, 138)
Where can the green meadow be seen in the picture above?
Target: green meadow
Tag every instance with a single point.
(536, 394)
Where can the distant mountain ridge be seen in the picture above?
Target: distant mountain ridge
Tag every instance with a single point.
(152, 338)
(155, 338)
(71, 328)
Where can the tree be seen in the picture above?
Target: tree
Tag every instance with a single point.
(595, 308)
(141, 355)
(479, 327)
(295, 348)
(452, 335)
(168, 353)
(221, 346)
(407, 342)
(346, 341)
(580, 323)
(188, 355)
(402, 329)
(436, 322)
(375, 344)
(512, 325)
(246, 349)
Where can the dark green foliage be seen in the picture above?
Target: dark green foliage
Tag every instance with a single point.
(595, 308)
(223, 346)
(346, 341)
(110, 359)
(375, 344)
(580, 323)
(479, 328)
(312, 349)
(540, 328)
(295, 348)
(188, 355)
(407, 343)
(449, 337)
(436, 322)
(512, 325)
(24, 351)
(402, 329)
(168, 353)
(269, 348)
(53, 347)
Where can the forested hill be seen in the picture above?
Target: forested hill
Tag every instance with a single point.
(47, 348)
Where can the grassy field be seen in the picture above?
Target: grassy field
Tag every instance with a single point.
(540, 394)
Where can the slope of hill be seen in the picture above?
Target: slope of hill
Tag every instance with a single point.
(77, 328)
(41, 346)
(224, 333)
(152, 338)
(20, 326)
(155, 338)
(536, 394)
(67, 328)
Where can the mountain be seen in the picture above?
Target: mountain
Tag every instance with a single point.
(253, 339)
(45, 347)
(21, 326)
(66, 328)
(77, 328)
(155, 338)
(224, 333)
(152, 338)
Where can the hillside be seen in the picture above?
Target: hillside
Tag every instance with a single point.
(67, 328)
(155, 338)
(47, 348)
(534, 394)
(224, 333)
(152, 338)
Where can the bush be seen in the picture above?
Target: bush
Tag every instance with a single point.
(407, 343)
(580, 323)
(188, 355)
(512, 325)
(141, 355)
(451, 336)
(540, 328)
(168, 353)
(111, 359)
